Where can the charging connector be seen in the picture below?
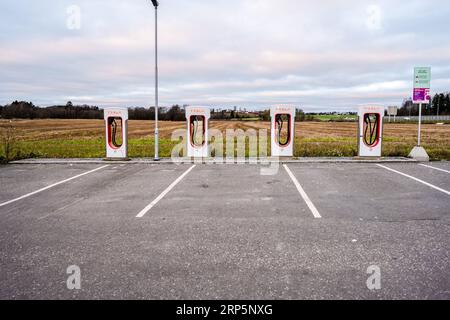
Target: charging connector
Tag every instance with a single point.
(371, 129)
(194, 124)
(113, 124)
(279, 120)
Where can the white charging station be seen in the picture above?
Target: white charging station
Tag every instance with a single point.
(282, 131)
(370, 131)
(197, 131)
(116, 121)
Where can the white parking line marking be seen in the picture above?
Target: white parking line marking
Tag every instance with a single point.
(302, 192)
(163, 194)
(416, 179)
(424, 165)
(50, 186)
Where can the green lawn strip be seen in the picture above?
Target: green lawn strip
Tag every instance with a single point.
(144, 147)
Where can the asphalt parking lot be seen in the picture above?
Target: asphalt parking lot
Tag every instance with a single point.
(205, 231)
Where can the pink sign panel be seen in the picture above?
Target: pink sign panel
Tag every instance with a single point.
(421, 95)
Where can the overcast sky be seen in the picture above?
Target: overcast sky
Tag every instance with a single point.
(319, 55)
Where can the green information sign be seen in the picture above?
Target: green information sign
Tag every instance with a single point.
(422, 78)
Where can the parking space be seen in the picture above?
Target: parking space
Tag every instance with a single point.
(110, 191)
(369, 192)
(74, 222)
(18, 180)
(225, 231)
(232, 192)
(425, 172)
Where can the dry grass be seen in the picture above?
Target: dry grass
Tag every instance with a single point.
(84, 138)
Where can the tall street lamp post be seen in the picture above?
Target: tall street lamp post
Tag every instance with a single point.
(156, 4)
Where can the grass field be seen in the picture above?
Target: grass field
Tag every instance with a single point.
(85, 138)
(335, 117)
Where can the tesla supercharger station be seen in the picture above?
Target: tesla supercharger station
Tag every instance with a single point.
(197, 131)
(116, 120)
(370, 131)
(282, 131)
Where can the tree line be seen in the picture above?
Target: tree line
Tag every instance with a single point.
(440, 105)
(27, 110)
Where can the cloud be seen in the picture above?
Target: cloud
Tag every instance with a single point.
(322, 55)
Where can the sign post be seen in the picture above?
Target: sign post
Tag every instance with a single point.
(422, 79)
(392, 111)
(421, 94)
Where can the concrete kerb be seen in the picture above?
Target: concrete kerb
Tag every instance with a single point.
(163, 161)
